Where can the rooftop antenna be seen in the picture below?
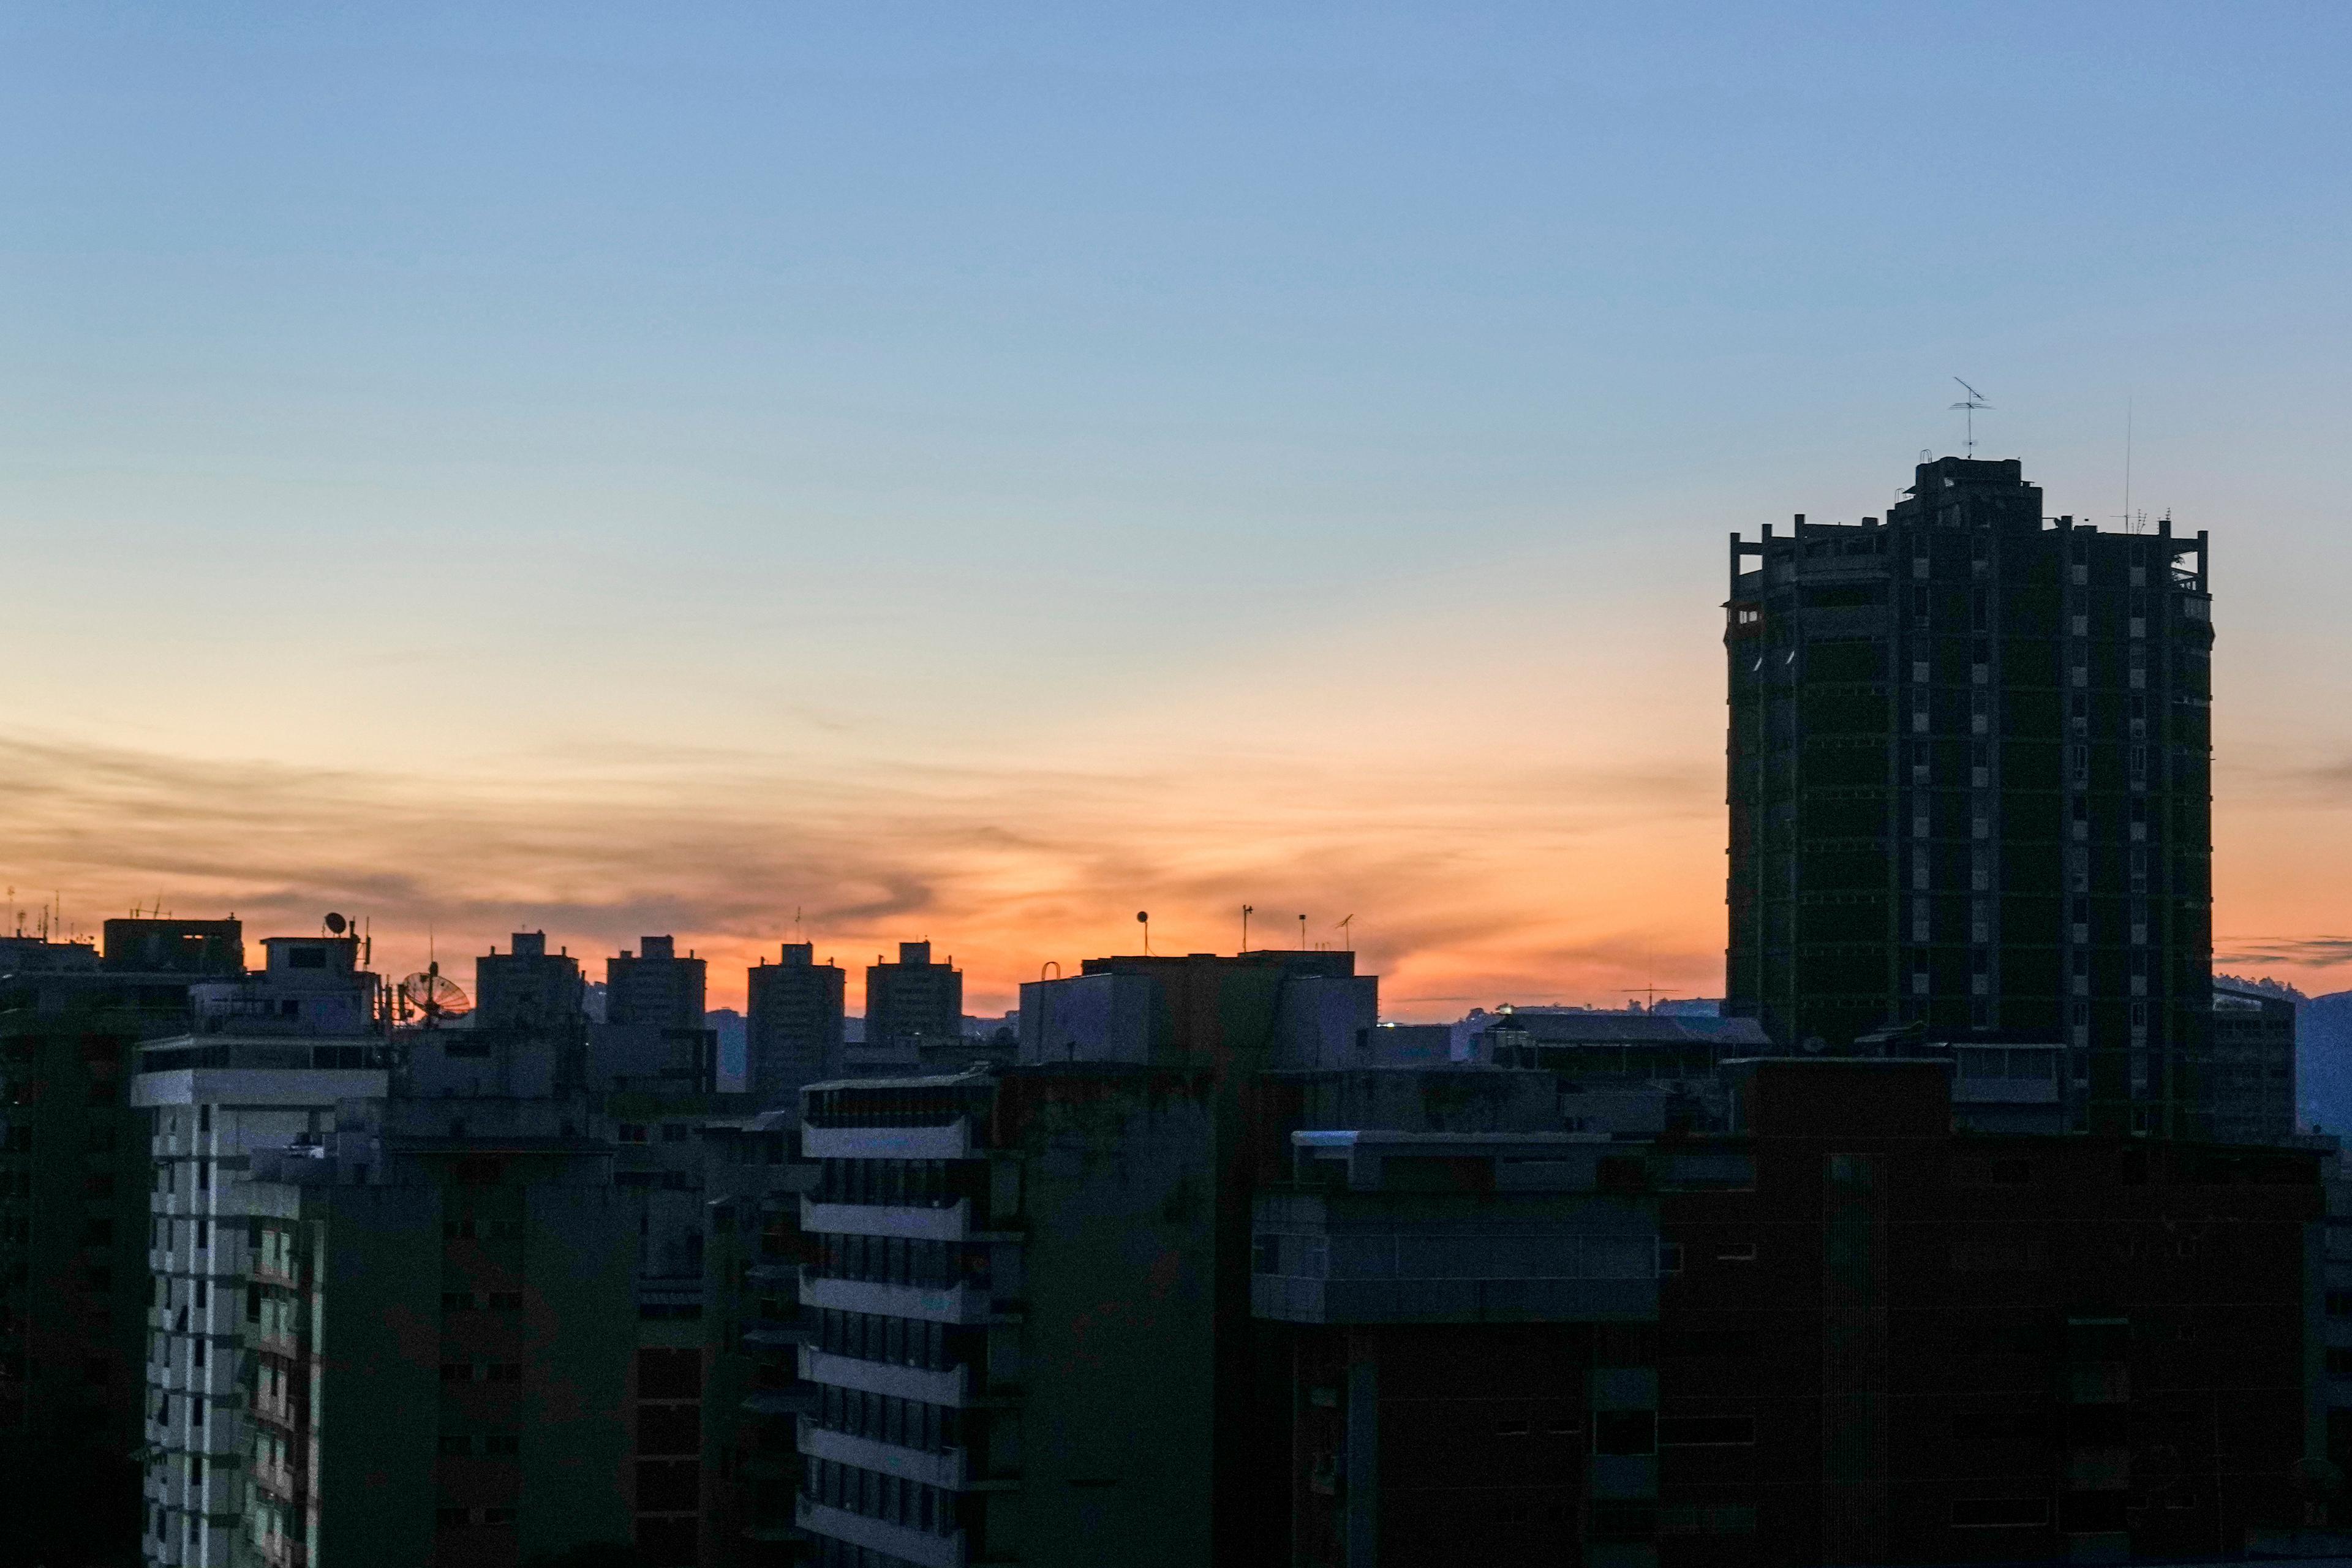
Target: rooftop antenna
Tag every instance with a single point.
(2128, 460)
(1143, 918)
(1247, 910)
(1972, 402)
(1302, 933)
(1347, 929)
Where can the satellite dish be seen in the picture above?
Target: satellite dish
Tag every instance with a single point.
(336, 925)
(434, 996)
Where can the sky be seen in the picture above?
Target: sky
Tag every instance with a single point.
(924, 471)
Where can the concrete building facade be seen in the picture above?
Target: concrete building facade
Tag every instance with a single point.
(73, 1177)
(1841, 1332)
(914, 1011)
(438, 1322)
(266, 1060)
(793, 1035)
(1970, 786)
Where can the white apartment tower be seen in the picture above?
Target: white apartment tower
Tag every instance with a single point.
(267, 1058)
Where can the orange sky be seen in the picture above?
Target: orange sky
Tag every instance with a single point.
(1528, 817)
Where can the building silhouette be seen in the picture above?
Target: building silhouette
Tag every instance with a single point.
(913, 1006)
(74, 1178)
(793, 1034)
(1970, 787)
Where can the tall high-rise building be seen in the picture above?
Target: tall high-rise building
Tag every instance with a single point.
(1970, 786)
(912, 1004)
(654, 985)
(654, 1033)
(266, 1062)
(793, 1036)
(74, 1175)
(529, 989)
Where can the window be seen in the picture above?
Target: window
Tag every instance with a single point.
(506, 1300)
(2340, 1303)
(1626, 1432)
(456, 1448)
(1735, 1252)
(457, 1372)
(2339, 1363)
(1705, 1431)
(501, 1445)
(1998, 1513)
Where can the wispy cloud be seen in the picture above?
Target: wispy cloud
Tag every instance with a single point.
(1471, 877)
(2308, 951)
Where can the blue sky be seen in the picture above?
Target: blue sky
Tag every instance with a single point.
(1017, 463)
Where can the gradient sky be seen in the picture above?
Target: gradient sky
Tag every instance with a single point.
(975, 472)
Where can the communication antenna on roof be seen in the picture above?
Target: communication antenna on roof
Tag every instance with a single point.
(1972, 402)
(434, 996)
(2128, 460)
(1143, 918)
(1348, 931)
(1247, 910)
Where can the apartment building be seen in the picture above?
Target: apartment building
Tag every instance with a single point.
(73, 1212)
(1970, 779)
(438, 1318)
(267, 1058)
(1841, 1332)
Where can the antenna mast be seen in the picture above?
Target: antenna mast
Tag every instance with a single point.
(1972, 402)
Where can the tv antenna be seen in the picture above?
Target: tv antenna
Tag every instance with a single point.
(1247, 910)
(434, 994)
(1972, 402)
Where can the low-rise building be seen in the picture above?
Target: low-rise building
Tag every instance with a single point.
(2250, 1066)
(1840, 1331)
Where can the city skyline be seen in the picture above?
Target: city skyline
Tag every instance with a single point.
(976, 478)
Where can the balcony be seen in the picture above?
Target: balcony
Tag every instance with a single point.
(953, 1386)
(951, 1142)
(951, 1470)
(279, 1483)
(800, 1399)
(951, 1223)
(764, 1334)
(949, 1304)
(916, 1546)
